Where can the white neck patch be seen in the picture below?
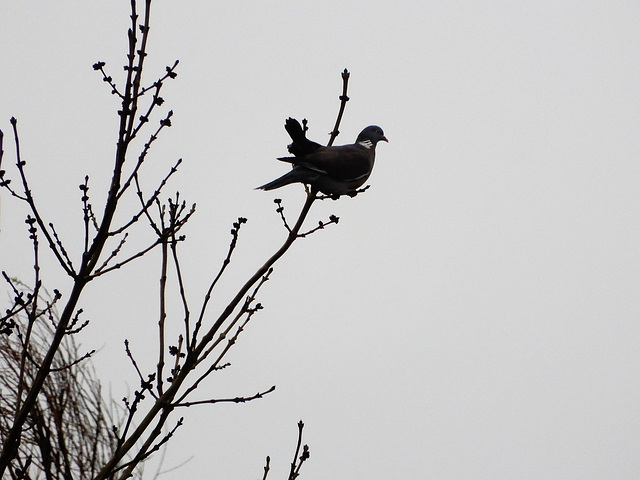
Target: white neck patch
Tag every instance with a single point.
(366, 144)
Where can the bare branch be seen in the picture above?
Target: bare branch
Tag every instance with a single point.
(225, 263)
(332, 220)
(149, 448)
(102, 270)
(245, 311)
(170, 73)
(280, 210)
(88, 216)
(183, 298)
(163, 312)
(32, 205)
(152, 199)
(226, 400)
(145, 384)
(163, 123)
(266, 467)
(343, 103)
(86, 356)
(296, 465)
(108, 79)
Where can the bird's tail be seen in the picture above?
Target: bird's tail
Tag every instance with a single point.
(298, 174)
(277, 183)
(295, 130)
(301, 145)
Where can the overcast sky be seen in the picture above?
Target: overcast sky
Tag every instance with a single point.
(474, 315)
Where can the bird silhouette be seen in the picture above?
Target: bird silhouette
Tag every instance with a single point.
(332, 170)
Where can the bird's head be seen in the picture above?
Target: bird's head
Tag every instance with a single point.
(373, 134)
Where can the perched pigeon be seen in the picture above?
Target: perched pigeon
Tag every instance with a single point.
(333, 171)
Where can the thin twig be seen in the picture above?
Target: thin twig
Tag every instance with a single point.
(343, 103)
(280, 210)
(32, 204)
(296, 465)
(216, 365)
(225, 263)
(332, 220)
(163, 310)
(102, 270)
(133, 361)
(247, 310)
(153, 137)
(266, 467)
(183, 295)
(227, 400)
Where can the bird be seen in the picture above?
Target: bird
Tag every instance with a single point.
(333, 171)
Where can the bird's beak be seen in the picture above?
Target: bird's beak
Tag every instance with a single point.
(384, 139)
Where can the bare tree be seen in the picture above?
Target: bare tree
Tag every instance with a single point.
(68, 433)
(40, 341)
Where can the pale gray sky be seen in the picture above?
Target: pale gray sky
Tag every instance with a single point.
(475, 315)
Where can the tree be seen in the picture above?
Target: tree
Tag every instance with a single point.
(68, 431)
(41, 430)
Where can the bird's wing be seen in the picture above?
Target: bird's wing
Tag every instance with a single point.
(343, 163)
